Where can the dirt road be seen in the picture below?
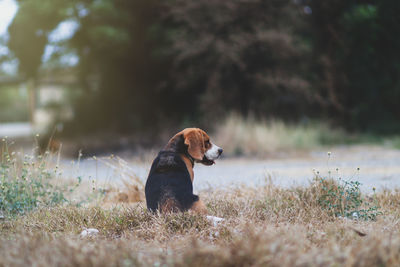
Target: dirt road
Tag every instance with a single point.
(378, 167)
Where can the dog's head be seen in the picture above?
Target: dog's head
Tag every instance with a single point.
(198, 145)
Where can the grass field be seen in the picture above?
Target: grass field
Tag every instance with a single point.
(266, 226)
(327, 223)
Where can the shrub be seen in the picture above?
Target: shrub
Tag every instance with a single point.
(343, 198)
(27, 182)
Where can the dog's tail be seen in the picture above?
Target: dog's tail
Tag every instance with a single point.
(168, 203)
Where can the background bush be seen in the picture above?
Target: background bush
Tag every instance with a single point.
(145, 62)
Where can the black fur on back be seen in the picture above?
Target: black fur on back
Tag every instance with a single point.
(169, 179)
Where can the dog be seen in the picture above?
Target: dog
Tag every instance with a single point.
(169, 186)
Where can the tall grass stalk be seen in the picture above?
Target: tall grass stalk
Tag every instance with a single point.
(240, 136)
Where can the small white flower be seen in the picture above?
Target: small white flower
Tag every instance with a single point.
(89, 232)
(215, 220)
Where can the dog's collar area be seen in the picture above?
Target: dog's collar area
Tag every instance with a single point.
(191, 159)
(177, 153)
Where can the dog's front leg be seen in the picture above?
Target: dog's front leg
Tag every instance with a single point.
(200, 208)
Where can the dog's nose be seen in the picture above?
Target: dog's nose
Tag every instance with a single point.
(220, 151)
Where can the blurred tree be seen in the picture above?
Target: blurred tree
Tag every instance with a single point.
(241, 55)
(116, 47)
(29, 31)
(150, 62)
(117, 69)
(356, 62)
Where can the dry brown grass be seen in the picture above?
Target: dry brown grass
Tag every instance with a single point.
(240, 136)
(265, 226)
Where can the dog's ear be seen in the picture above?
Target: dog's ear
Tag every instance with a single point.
(194, 141)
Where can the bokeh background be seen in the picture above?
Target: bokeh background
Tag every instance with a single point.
(134, 69)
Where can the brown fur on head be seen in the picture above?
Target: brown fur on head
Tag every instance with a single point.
(193, 141)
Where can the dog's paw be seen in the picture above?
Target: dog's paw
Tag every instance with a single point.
(215, 220)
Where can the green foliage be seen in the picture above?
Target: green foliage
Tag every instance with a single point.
(27, 183)
(357, 61)
(149, 61)
(343, 198)
(13, 105)
(32, 25)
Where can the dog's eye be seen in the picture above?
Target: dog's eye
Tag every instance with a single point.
(207, 143)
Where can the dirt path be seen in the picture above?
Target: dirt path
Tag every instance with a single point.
(378, 167)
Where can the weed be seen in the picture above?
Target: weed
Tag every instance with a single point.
(342, 198)
(27, 182)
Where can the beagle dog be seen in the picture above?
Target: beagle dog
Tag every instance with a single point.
(169, 186)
